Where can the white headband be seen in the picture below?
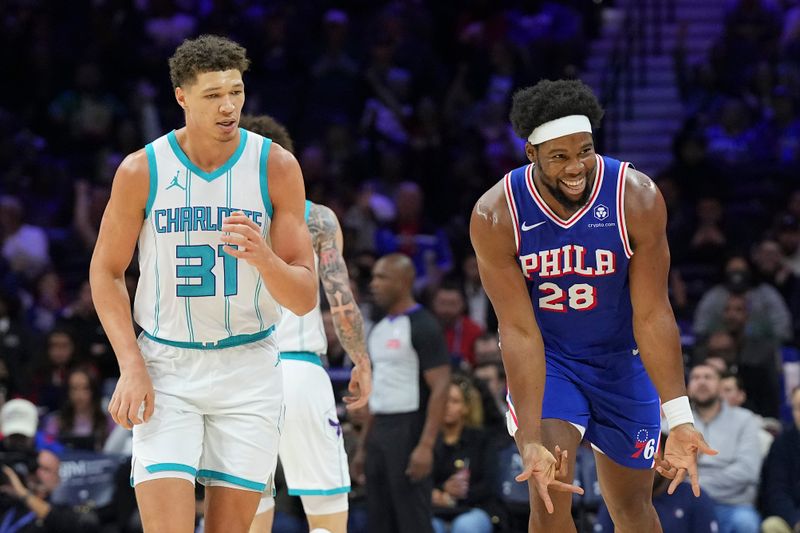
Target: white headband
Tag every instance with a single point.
(560, 127)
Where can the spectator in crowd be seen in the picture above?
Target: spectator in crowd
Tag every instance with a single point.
(732, 392)
(773, 267)
(81, 422)
(29, 509)
(719, 351)
(477, 301)
(463, 464)
(49, 385)
(81, 317)
(460, 331)
(410, 234)
(757, 357)
(767, 308)
(493, 377)
(780, 478)
(730, 477)
(411, 374)
(24, 246)
(16, 345)
(679, 512)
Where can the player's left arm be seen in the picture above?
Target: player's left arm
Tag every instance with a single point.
(287, 266)
(326, 235)
(654, 323)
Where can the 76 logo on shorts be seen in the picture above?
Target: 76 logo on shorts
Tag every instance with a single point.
(644, 447)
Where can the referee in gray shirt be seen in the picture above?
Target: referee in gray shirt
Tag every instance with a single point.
(411, 375)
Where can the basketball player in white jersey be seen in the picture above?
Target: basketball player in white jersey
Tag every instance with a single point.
(218, 213)
(311, 448)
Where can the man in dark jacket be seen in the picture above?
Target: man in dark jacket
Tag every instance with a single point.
(780, 478)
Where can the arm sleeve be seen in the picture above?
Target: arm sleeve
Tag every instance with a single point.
(428, 341)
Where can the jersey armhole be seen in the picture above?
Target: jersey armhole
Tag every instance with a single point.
(153, 172)
(512, 208)
(263, 175)
(621, 224)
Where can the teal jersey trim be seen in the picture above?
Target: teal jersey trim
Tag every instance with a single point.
(229, 342)
(308, 357)
(158, 284)
(236, 480)
(214, 174)
(171, 467)
(319, 492)
(263, 177)
(308, 210)
(151, 164)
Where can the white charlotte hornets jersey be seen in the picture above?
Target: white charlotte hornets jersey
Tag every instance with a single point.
(190, 292)
(303, 333)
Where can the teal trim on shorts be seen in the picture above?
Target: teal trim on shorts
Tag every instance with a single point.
(207, 176)
(319, 492)
(230, 342)
(153, 171)
(235, 480)
(308, 210)
(171, 467)
(308, 357)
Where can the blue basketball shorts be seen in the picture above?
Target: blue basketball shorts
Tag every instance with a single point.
(610, 399)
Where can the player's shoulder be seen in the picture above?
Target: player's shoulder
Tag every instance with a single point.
(322, 220)
(642, 196)
(490, 223)
(134, 169)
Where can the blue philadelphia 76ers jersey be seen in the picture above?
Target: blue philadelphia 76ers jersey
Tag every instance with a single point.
(576, 269)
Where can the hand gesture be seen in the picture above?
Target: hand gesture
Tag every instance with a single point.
(243, 240)
(360, 387)
(420, 463)
(684, 443)
(133, 388)
(15, 487)
(538, 463)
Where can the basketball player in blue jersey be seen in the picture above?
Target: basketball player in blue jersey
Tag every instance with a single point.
(573, 254)
(312, 446)
(218, 213)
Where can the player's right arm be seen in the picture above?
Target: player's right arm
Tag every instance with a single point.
(326, 236)
(492, 236)
(116, 241)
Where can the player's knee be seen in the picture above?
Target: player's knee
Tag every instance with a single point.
(325, 505)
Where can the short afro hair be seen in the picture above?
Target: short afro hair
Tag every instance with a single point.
(267, 126)
(207, 53)
(548, 100)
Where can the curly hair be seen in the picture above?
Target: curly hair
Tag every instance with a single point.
(267, 126)
(207, 53)
(548, 100)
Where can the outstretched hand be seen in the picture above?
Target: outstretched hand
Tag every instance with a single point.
(684, 443)
(540, 465)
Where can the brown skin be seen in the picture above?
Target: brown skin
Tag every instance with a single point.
(212, 104)
(572, 158)
(391, 285)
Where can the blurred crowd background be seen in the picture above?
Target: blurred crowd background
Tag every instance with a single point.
(399, 114)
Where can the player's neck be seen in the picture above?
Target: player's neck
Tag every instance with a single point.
(564, 212)
(204, 151)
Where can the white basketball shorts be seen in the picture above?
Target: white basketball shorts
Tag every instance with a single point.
(217, 415)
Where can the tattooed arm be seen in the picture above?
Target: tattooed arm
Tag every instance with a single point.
(326, 236)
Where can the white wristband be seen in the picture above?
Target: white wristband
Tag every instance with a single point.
(678, 411)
